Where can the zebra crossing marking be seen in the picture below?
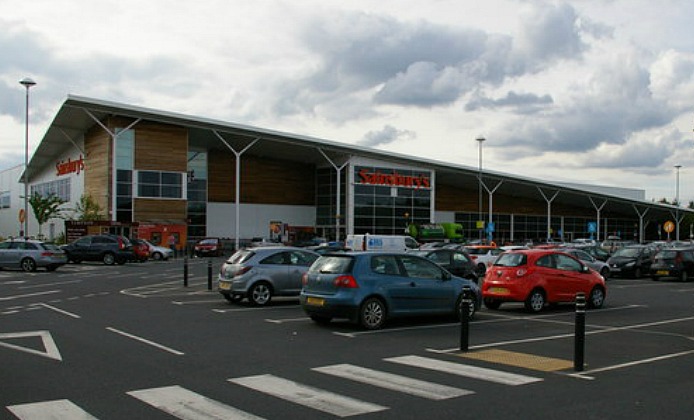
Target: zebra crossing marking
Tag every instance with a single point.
(394, 382)
(469, 371)
(308, 396)
(55, 410)
(188, 405)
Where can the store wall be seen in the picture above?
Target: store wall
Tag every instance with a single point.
(10, 185)
(255, 218)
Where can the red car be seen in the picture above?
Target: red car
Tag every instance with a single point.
(140, 250)
(538, 277)
(209, 247)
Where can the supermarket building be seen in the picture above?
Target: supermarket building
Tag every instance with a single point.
(157, 173)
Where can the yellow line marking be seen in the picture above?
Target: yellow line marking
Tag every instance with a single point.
(524, 360)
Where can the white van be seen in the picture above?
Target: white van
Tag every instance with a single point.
(380, 243)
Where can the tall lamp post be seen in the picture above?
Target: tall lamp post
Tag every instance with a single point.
(27, 83)
(480, 140)
(677, 203)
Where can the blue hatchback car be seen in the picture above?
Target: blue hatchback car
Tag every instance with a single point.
(370, 287)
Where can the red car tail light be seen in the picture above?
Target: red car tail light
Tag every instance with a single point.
(347, 282)
(304, 279)
(242, 271)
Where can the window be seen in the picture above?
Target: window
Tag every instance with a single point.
(420, 268)
(159, 184)
(59, 188)
(4, 200)
(385, 265)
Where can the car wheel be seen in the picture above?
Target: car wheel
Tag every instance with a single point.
(109, 258)
(459, 308)
(319, 319)
(260, 294)
(372, 314)
(28, 265)
(157, 256)
(536, 301)
(596, 298)
(492, 304)
(233, 298)
(605, 273)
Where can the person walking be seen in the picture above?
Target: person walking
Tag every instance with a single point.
(172, 244)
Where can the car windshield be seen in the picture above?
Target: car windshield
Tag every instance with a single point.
(208, 242)
(332, 264)
(627, 252)
(511, 259)
(477, 251)
(240, 257)
(666, 255)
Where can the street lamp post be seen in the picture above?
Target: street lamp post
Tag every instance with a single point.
(480, 140)
(677, 203)
(27, 83)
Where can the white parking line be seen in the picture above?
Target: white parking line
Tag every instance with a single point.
(57, 409)
(29, 295)
(142, 340)
(282, 321)
(50, 284)
(586, 374)
(60, 311)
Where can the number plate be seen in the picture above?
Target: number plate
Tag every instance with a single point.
(315, 301)
(498, 290)
(224, 286)
(662, 272)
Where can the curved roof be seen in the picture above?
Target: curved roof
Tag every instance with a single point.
(73, 119)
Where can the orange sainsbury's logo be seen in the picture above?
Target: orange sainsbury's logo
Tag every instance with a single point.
(70, 166)
(395, 179)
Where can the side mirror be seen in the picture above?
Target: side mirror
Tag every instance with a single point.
(585, 269)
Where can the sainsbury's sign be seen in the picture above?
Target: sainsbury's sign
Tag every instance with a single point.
(70, 166)
(394, 179)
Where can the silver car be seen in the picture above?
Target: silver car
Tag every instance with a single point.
(157, 252)
(262, 272)
(30, 254)
(592, 262)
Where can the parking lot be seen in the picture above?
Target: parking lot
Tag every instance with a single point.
(133, 342)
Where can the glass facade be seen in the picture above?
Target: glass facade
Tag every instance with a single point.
(125, 151)
(59, 188)
(386, 200)
(197, 194)
(326, 202)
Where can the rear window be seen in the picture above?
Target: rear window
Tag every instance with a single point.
(51, 247)
(332, 264)
(477, 251)
(510, 259)
(666, 255)
(240, 257)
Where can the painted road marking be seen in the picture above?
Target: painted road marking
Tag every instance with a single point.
(143, 340)
(586, 374)
(468, 371)
(51, 349)
(394, 382)
(524, 360)
(60, 311)
(57, 410)
(49, 292)
(188, 405)
(308, 396)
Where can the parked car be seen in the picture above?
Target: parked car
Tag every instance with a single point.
(595, 251)
(140, 250)
(676, 262)
(30, 254)
(209, 247)
(483, 256)
(631, 260)
(259, 241)
(110, 249)
(369, 288)
(263, 272)
(541, 276)
(157, 252)
(600, 266)
(458, 263)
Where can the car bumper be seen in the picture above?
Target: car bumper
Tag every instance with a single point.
(329, 307)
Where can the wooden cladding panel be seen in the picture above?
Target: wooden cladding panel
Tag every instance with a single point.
(263, 181)
(97, 165)
(147, 209)
(161, 147)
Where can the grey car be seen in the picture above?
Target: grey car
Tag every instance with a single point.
(30, 254)
(600, 266)
(263, 272)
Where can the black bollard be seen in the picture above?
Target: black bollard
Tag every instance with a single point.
(185, 271)
(580, 332)
(465, 318)
(209, 274)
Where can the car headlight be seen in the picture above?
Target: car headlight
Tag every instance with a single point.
(631, 264)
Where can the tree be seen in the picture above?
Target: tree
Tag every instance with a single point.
(46, 208)
(88, 209)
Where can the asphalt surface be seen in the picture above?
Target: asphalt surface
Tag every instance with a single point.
(126, 342)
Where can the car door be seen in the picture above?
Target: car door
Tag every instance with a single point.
(388, 279)
(275, 269)
(80, 248)
(431, 290)
(571, 278)
(4, 253)
(13, 254)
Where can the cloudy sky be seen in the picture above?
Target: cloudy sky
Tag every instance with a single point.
(589, 91)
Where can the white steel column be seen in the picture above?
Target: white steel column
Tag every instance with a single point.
(237, 183)
(338, 170)
(491, 195)
(114, 140)
(597, 209)
(549, 210)
(641, 216)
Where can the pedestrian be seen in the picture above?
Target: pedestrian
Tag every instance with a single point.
(172, 244)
